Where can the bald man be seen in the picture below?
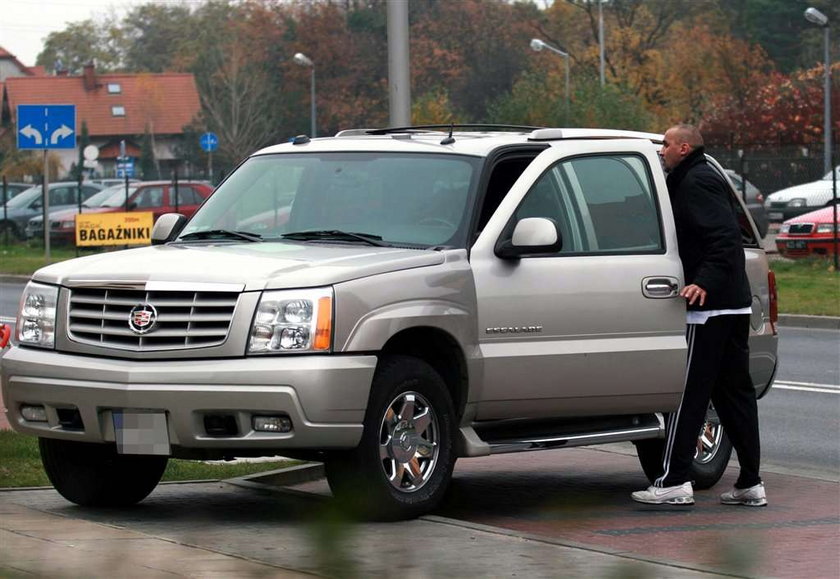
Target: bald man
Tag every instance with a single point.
(718, 301)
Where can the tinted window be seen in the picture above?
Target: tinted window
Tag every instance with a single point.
(414, 199)
(601, 204)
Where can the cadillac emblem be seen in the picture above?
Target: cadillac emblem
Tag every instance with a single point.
(142, 318)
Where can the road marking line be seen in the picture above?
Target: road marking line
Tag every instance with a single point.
(814, 384)
(808, 387)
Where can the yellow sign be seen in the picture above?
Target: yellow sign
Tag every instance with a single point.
(133, 228)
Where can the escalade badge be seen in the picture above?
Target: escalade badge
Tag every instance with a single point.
(142, 318)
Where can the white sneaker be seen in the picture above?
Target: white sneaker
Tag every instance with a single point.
(679, 495)
(751, 497)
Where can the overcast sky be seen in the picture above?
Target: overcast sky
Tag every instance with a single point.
(24, 24)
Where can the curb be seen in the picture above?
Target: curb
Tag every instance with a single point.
(817, 322)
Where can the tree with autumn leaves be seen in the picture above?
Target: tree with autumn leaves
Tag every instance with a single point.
(666, 61)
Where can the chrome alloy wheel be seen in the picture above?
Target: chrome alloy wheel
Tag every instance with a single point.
(709, 441)
(408, 442)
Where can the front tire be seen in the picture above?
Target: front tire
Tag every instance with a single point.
(710, 460)
(95, 475)
(402, 466)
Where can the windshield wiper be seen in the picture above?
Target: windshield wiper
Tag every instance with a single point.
(336, 234)
(221, 234)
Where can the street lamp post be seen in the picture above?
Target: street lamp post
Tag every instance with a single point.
(814, 16)
(537, 45)
(304, 60)
(601, 39)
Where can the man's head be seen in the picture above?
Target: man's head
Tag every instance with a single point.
(680, 141)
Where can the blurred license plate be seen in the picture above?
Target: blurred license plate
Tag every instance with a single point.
(796, 244)
(141, 432)
(775, 216)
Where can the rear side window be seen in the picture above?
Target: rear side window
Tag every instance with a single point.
(187, 195)
(149, 197)
(601, 204)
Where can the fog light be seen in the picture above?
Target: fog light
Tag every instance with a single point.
(272, 424)
(34, 413)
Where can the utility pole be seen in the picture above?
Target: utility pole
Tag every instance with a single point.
(399, 77)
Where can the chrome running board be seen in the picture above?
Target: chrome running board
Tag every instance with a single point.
(570, 440)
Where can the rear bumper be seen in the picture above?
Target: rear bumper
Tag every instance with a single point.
(324, 396)
(779, 214)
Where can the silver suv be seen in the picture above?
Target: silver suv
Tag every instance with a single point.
(384, 301)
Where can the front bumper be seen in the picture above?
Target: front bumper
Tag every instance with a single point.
(803, 247)
(324, 396)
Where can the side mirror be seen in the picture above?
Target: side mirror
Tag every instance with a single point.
(132, 206)
(531, 235)
(167, 228)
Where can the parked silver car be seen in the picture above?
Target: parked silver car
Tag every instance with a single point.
(384, 301)
(20, 209)
(799, 199)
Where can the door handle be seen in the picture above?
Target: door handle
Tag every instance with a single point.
(660, 287)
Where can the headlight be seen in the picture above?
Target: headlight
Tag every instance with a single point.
(36, 318)
(785, 228)
(826, 228)
(64, 225)
(293, 321)
(798, 202)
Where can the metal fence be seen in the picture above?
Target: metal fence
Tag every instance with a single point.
(772, 167)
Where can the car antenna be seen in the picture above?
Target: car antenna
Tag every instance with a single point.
(449, 140)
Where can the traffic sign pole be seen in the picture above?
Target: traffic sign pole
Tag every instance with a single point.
(46, 207)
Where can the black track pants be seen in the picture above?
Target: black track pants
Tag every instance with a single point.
(717, 370)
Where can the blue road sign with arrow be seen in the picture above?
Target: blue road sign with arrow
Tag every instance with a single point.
(46, 126)
(209, 142)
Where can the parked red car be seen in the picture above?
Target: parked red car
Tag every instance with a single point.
(808, 234)
(155, 196)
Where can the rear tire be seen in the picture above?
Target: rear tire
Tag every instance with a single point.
(94, 475)
(403, 464)
(713, 452)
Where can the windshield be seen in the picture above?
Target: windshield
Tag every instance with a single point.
(98, 199)
(115, 198)
(403, 199)
(24, 198)
(828, 176)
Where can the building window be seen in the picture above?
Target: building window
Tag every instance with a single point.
(114, 88)
(118, 111)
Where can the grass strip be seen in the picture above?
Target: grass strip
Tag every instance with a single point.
(807, 286)
(20, 465)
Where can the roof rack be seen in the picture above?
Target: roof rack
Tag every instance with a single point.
(585, 133)
(442, 128)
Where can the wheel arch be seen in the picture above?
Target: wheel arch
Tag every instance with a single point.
(441, 351)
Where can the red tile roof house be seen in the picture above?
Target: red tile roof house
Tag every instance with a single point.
(11, 66)
(114, 107)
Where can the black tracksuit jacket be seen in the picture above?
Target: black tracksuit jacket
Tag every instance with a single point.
(708, 233)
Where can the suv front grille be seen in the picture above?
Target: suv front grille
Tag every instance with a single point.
(184, 319)
(801, 228)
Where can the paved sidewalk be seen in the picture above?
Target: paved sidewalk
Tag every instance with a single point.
(221, 530)
(541, 514)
